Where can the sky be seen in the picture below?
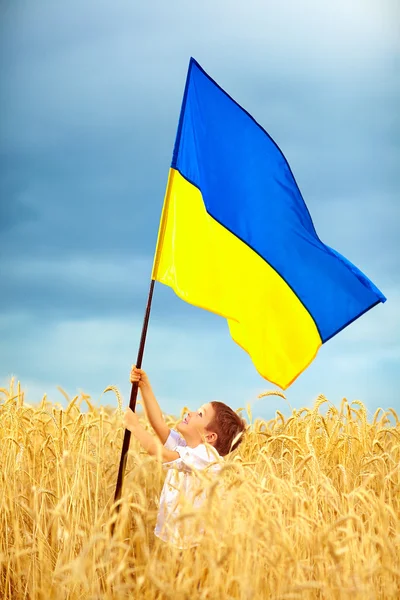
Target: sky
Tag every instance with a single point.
(90, 98)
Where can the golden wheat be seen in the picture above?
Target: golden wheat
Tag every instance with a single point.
(307, 507)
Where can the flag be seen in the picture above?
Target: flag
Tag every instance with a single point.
(236, 238)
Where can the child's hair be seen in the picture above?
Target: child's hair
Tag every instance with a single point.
(227, 425)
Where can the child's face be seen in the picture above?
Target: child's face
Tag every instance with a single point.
(193, 426)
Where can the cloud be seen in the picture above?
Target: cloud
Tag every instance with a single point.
(194, 363)
(86, 287)
(75, 285)
(94, 353)
(90, 102)
(145, 55)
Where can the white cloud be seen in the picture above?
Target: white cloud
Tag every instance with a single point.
(146, 52)
(97, 71)
(82, 271)
(92, 354)
(189, 366)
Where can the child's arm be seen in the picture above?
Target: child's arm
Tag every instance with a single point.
(146, 440)
(151, 407)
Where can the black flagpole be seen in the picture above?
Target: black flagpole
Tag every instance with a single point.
(132, 404)
(135, 386)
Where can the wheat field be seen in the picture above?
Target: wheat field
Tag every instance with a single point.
(307, 507)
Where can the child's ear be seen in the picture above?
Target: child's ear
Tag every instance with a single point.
(211, 438)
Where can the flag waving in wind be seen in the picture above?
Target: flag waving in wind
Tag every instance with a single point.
(236, 239)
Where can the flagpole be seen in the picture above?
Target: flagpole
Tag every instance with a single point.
(135, 385)
(132, 403)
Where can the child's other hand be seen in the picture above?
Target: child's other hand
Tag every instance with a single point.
(139, 376)
(131, 419)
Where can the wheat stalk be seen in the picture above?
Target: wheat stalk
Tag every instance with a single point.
(307, 507)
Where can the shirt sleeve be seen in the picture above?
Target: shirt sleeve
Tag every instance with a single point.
(192, 458)
(174, 440)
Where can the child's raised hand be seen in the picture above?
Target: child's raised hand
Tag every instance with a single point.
(139, 376)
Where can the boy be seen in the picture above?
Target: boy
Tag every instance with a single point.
(183, 452)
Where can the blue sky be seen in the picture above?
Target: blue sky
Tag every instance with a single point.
(90, 98)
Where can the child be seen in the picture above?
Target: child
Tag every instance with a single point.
(183, 452)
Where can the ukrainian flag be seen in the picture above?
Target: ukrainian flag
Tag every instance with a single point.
(236, 238)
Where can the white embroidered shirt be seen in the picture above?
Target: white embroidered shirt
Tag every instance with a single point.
(181, 484)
